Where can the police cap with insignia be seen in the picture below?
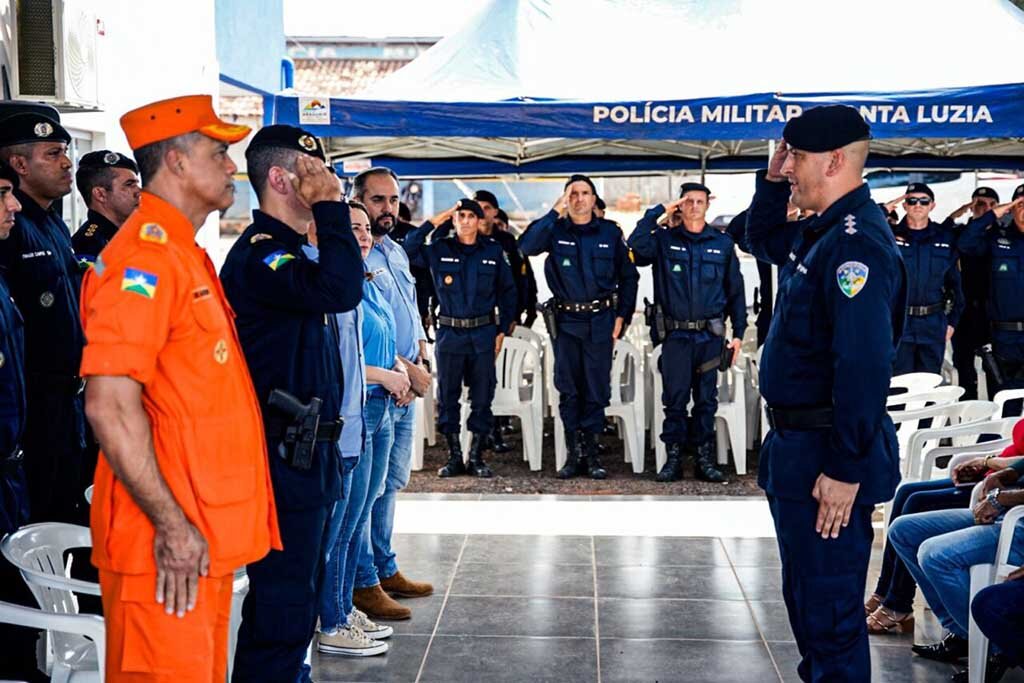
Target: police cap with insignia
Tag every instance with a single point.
(920, 188)
(21, 129)
(694, 187)
(580, 178)
(104, 158)
(470, 205)
(288, 137)
(486, 196)
(986, 192)
(825, 128)
(1018, 192)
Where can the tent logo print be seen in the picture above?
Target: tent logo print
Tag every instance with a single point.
(314, 110)
(140, 282)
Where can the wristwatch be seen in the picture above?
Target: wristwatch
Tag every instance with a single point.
(993, 499)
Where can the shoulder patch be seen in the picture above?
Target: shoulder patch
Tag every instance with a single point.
(152, 232)
(259, 237)
(140, 282)
(852, 276)
(278, 259)
(86, 261)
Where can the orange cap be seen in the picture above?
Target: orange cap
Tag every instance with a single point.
(177, 116)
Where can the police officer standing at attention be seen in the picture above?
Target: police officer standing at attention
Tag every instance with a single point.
(489, 205)
(697, 282)
(929, 253)
(472, 278)
(1002, 244)
(831, 454)
(973, 331)
(594, 283)
(42, 274)
(528, 307)
(284, 302)
(109, 185)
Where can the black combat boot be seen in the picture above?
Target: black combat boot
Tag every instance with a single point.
(571, 468)
(672, 470)
(591, 457)
(497, 441)
(476, 464)
(455, 466)
(705, 468)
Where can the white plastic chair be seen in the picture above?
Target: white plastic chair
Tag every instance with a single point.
(86, 626)
(984, 575)
(915, 381)
(963, 434)
(957, 454)
(732, 410)
(919, 399)
(88, 494)
(539, 371)
(627, 400)
(753, 397)
(1005, 396)
(424, 424)
(37, 550)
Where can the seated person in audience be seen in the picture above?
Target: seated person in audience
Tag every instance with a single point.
(890, 609)
(939, 548)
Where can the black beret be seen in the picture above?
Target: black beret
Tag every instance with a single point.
(486, 196)
(600, 204)
(693, 187)
(920, 188)
(404, 214)
(580, 178)
(502, 216)
(20, 129)
(823, 129)
(104, 158)
(470, 205)
(8, 173)
(1018, 192)
(986, 192)
(288, 137)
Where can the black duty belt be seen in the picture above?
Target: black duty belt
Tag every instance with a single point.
(465, 323)
(800, 419)
(69, 384)
(1008, 326)
(595, 306)
(688, 325)
(919, 311)
(327, 430)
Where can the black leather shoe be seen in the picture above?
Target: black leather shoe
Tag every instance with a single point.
(950, 649)
(592, 458)
(571, 468)
(994, 671)
(705, 468)
(672, 470)
(454, 467)
(476, 465)
(497, 440)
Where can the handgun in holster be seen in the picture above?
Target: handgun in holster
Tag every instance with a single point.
(654, 317)
(990, 363)
(716, 326)
(547, 311)
(300, 436)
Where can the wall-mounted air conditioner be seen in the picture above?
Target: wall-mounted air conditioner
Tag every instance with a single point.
(56, 53)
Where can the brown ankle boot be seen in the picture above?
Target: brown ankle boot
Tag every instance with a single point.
(379, 605)
(401, 587)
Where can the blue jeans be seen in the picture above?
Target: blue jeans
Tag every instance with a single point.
(939, 548)
(363, 485)
(381, 563)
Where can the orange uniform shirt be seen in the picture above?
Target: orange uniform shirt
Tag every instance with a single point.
(153, 310)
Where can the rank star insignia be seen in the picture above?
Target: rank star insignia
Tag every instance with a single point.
(111, 158)
(852, 276)
(46, 299)
(850, 222)
(307, 143)
(43, 129)
(448, 279)
(220, 351)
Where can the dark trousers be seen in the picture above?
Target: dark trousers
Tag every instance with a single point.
(583, 371)
(55, 455)
(279, 613)
(912, 357)
(681, 356)
(822, 584)
(476, 371)
(999, 612)
(970, 335)
(895, 584)
(18, 649)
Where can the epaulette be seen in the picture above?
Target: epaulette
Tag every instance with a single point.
(259, 237)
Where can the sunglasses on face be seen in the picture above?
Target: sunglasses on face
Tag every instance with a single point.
(914, 201)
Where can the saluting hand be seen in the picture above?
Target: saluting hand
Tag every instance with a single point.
(778, 159)
(314, 181)
(961, 211)
(1004, 209)
(835, 502)
(562, 203)
(670, 208)
(440, 218)
(893, 203)
(182, 556)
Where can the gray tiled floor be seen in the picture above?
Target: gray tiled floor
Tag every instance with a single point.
(547, 608)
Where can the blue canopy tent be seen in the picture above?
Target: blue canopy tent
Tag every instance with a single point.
(548, 87)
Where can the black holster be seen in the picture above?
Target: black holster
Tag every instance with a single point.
(654, 317)
(990, 362)
(547, 311)
(300, 436)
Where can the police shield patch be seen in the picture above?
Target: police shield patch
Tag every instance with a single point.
(852, 276)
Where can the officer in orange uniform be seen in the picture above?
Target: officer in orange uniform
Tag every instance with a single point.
(183, 494)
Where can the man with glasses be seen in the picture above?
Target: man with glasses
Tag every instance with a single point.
(973, 332)
(929, 252)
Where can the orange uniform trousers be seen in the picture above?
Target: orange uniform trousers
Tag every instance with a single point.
(144, 643)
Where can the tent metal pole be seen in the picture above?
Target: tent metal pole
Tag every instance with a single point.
(703, 167)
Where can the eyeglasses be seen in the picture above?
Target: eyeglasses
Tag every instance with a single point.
(914, 201)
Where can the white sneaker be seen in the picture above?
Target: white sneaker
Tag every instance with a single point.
(372, 629)
(350, 641)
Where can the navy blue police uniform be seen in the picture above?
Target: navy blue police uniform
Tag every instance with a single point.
(933, 275)
(42, 274)
(97, 230)
(974, 331)
(697, 283)
(825, 374)
(593, 280)
(471, 281)
(284, 303)
(1001, 243)
(764, 300)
